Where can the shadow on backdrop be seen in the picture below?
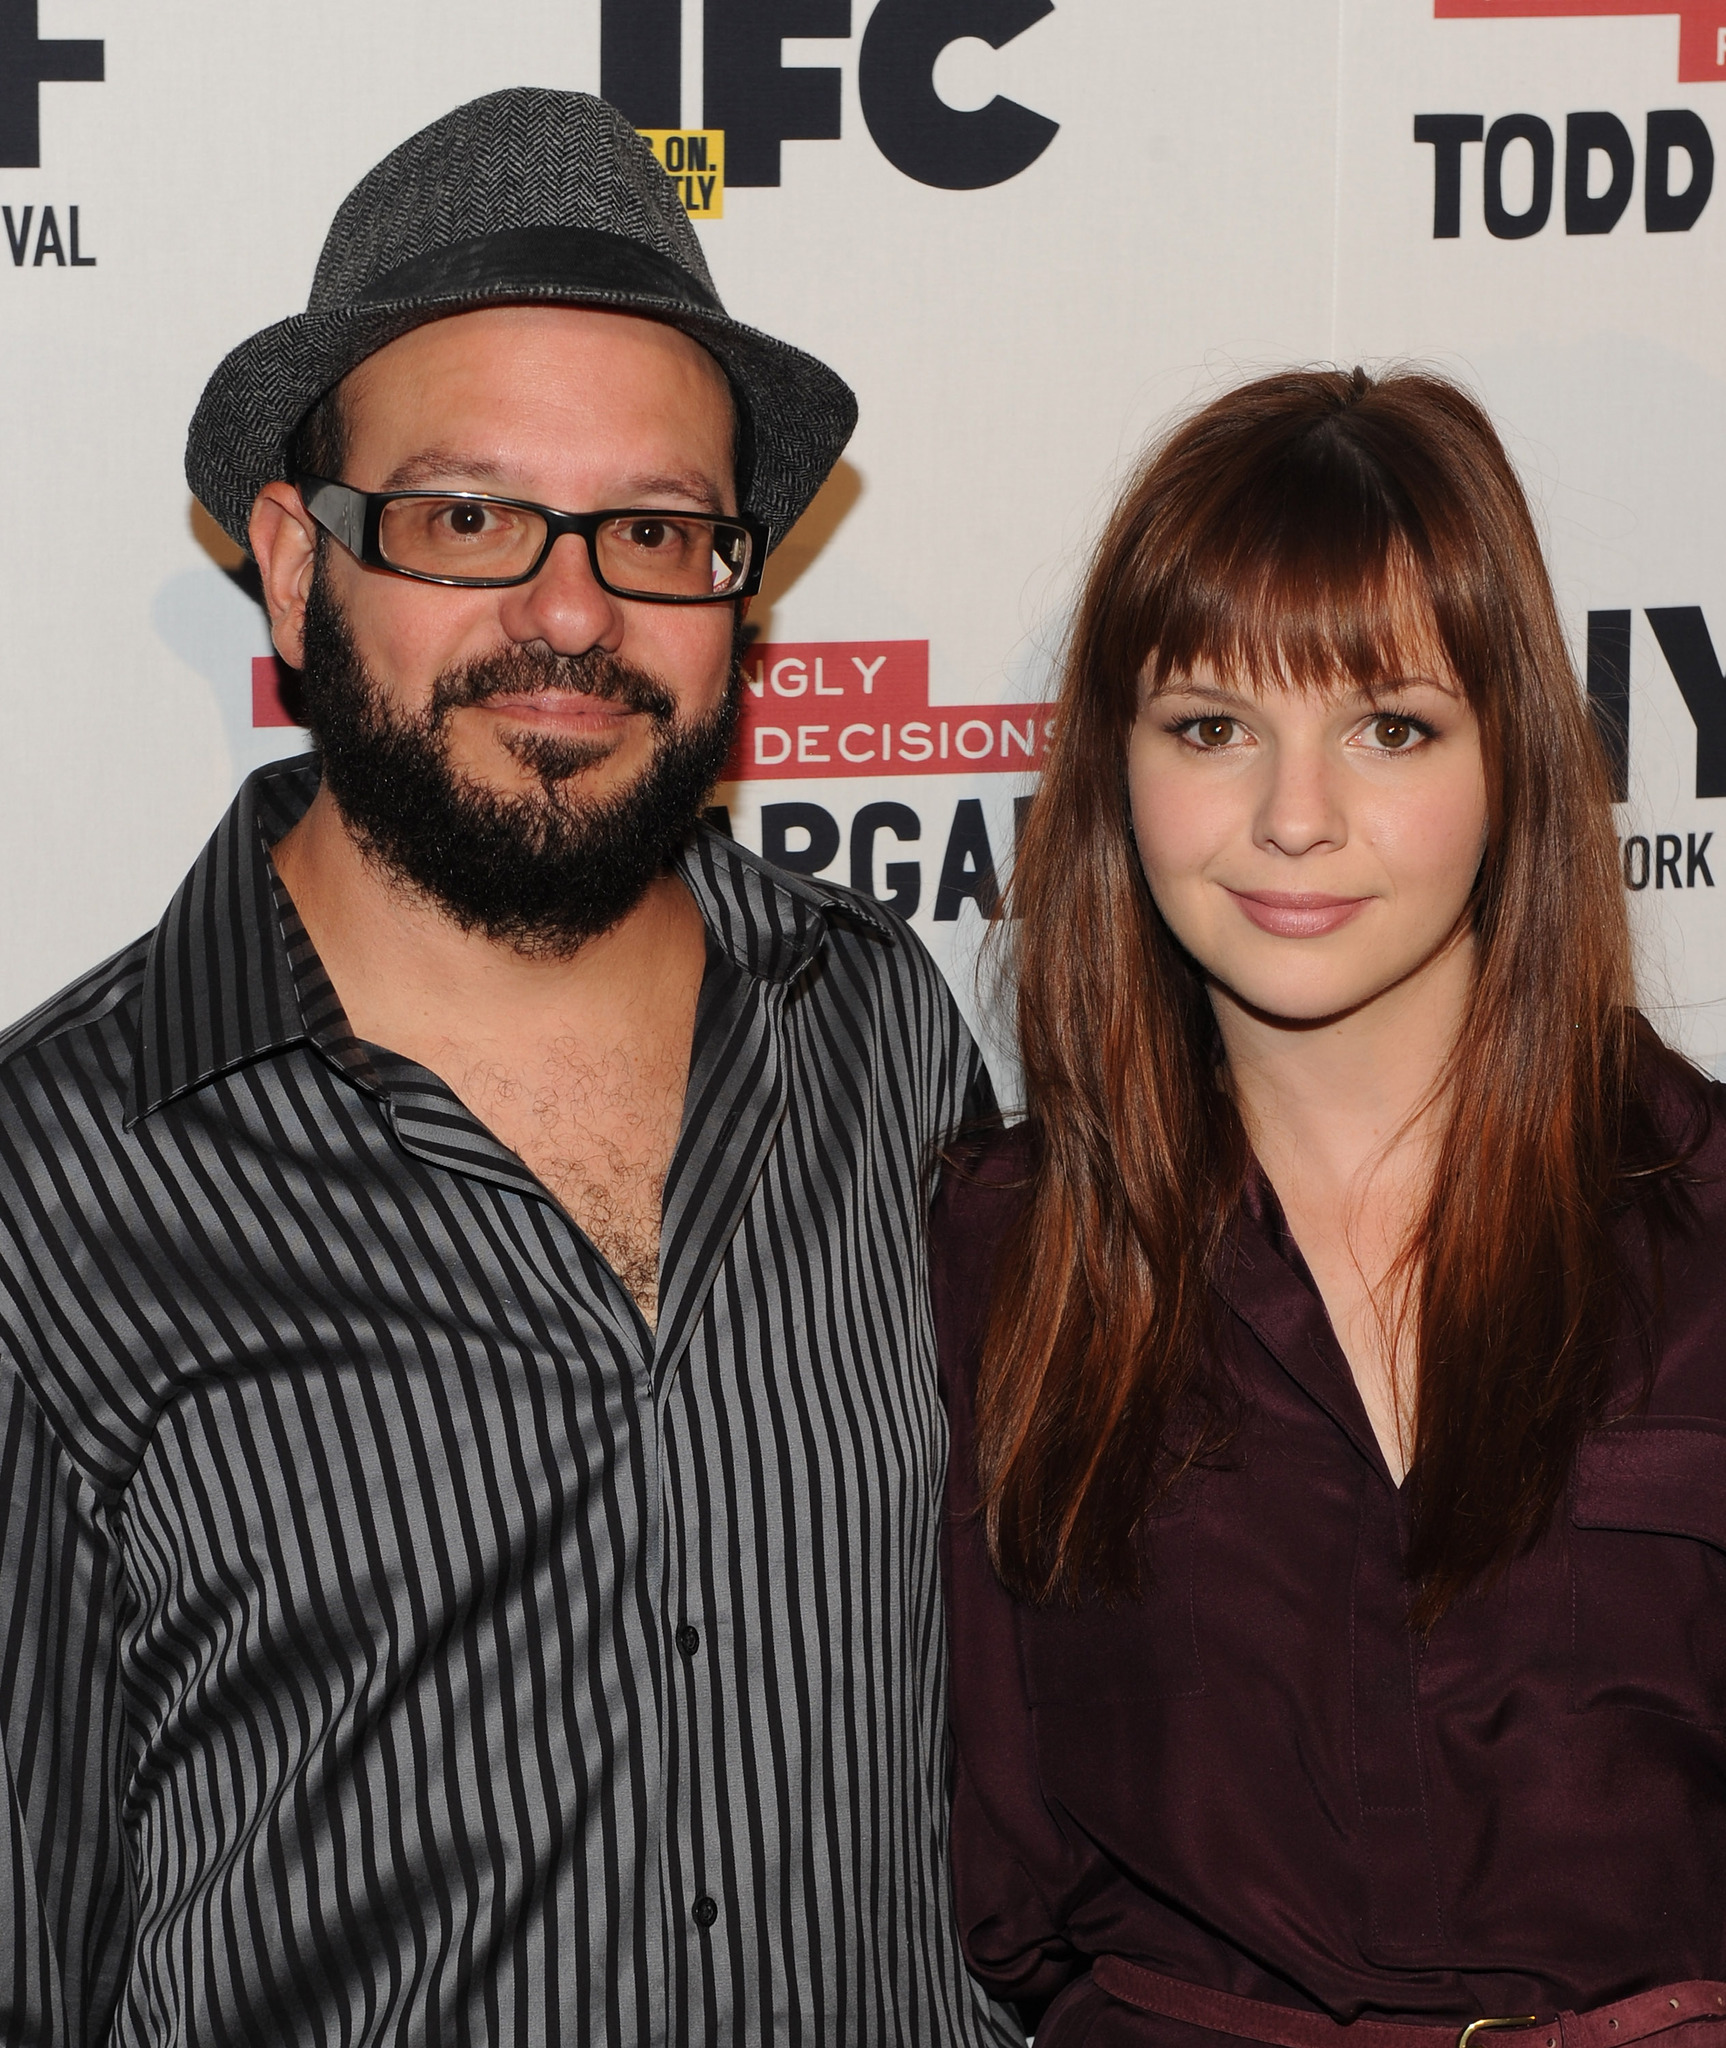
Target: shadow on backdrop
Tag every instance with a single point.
(827, 512)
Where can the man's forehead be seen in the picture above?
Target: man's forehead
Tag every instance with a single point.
(486, 336)
(449, 385)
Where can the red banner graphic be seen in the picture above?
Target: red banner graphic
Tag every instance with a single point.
(267, 705)
(818, 708)
(1701, 24)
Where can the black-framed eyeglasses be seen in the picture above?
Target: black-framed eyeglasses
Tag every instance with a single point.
(653, 554)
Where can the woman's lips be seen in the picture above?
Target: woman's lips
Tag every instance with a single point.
(1291, 916)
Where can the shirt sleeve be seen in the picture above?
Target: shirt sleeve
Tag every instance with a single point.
(65, 1911)
(1009, 1858)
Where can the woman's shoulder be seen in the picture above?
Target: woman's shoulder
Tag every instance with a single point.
(984, 1185)
(1687, 1105)
(985, 1177)
(1675, 1188)
(1680, 1149)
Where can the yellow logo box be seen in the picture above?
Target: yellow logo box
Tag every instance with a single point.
(694, 160)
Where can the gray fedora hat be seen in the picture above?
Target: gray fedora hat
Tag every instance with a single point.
(522, 196)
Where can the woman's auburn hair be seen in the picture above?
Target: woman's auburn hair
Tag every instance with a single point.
(1278, 535)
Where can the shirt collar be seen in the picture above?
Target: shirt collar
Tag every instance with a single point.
(769, 922)
(231, 976)
(1264, 1278)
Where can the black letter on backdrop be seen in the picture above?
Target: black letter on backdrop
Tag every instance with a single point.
(1668, 212)
(968, 867)
(1447, 133)
(1696, 856)
(749, 92)
(904, 878)
(914, 128)
(48, 242)
(1684, 640)
(641, 60)
(1609, 692)
(26, 64)
(823, 828)
(1636, 862)
(1529, 128)
(1584, 134)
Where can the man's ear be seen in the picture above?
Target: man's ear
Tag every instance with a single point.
(284, 539)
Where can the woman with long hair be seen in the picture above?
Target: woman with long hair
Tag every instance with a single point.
(1337, 1354)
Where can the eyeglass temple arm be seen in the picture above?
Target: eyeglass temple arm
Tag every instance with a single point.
(338, 508)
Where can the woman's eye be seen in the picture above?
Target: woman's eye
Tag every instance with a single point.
(1212, 732)
(1394, 735)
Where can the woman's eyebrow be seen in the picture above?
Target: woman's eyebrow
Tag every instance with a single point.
(1414, 679)
(1211, 693)
(1369, 695)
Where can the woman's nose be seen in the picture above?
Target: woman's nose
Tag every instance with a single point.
(1300, 810)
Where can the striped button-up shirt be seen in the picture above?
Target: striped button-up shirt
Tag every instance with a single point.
(399, 1641)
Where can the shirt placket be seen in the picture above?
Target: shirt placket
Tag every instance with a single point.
(1271, 1289)
(736, 1100)
(1389, 1779)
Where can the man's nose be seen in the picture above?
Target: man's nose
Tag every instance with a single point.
(1300, 808)
(565, 606)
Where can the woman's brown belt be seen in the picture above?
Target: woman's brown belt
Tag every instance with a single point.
(1282, 2026)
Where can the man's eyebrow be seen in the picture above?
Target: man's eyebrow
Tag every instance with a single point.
(432, 467)
(700, 489)
(442, 466)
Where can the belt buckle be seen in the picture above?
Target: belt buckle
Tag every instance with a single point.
(1466, 2038)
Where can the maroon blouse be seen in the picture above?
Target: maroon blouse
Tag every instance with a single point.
(1257, 1780)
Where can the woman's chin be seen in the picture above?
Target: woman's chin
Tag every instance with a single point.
(1300, 1003)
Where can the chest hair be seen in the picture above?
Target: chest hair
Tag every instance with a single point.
(599, 1131)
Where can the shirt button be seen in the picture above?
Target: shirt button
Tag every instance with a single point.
(706, 1911)
(688, 1639)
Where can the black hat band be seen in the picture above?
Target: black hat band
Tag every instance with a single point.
(529, 259)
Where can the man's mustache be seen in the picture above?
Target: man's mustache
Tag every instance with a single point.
(514, 671)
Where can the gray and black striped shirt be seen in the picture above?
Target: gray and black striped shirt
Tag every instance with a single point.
(401, 1643)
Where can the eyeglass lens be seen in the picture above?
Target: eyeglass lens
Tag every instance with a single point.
(656, 554)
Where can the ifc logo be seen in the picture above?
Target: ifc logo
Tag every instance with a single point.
(759, 102)
(27, 63)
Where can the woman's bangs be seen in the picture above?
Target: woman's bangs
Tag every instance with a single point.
(1315, 596)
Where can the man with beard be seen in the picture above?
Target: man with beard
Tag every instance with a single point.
(469, 1450)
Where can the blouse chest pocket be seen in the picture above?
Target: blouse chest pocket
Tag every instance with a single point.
(1648, 1570)
(1129, 1650)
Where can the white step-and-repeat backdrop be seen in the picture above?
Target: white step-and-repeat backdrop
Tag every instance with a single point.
(1025, 231)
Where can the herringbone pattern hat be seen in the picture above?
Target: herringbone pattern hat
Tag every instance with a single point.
(522, 196)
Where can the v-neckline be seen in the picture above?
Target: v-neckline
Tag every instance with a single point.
(1267, 1282)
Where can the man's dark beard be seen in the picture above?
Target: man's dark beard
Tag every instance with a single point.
(542, 871)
